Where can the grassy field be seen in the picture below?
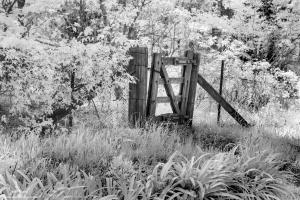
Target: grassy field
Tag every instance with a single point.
(104, 159)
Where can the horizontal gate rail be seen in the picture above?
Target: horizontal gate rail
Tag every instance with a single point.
(167, 99)
(172, 80)
(176, 61)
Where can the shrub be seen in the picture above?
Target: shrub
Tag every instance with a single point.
(258, 176)
(189, 179)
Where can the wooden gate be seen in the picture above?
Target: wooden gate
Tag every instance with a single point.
(141, 107)
(182, 104)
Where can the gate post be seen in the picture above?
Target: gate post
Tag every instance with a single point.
(193, 87)
(137, 91)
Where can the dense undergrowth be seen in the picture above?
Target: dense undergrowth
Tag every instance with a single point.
(150, 163)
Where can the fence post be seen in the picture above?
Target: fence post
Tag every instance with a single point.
(72, 85)
(220, 90)
(193, 87)
(138, 91)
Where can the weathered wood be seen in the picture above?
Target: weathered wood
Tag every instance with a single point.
(176, 61)
(171, 117)
(219, 99)
(142, 84)
(138, 91)
(184, 89)
(173, 80)
(153, 85)
(193, 88)
(183, 104)
(220, 90)
(169, 90)
(180, 103)
(132, 92)
(167, 99)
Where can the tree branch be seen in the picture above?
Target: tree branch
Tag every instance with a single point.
(9, 9)
(47, 43)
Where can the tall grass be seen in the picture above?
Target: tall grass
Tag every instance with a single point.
(209, 176)
(121, 163)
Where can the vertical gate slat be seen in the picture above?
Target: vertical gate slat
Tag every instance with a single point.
(153, 85)
(193, 87)
(142, 86)
(187, 70)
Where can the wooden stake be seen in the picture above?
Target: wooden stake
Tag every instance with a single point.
(220, 90)
(72, 85)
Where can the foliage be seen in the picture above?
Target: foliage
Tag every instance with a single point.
(58, 55)
(217, 176)
(57, 62)
(75, 165)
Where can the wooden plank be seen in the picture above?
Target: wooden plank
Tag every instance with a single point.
(168, 61)
(169, 90)
(187, 71)
(137, 91)
(141, 66)
(177, 80)
(139, 50)
(171, 117)
(132, 92)
(167, 99)
(183, 61)
(153, 85)
(176, 61)
(193, 88)
(216, 96)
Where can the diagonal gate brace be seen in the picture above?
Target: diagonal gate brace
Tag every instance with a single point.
(169, 90)
(218, 98)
